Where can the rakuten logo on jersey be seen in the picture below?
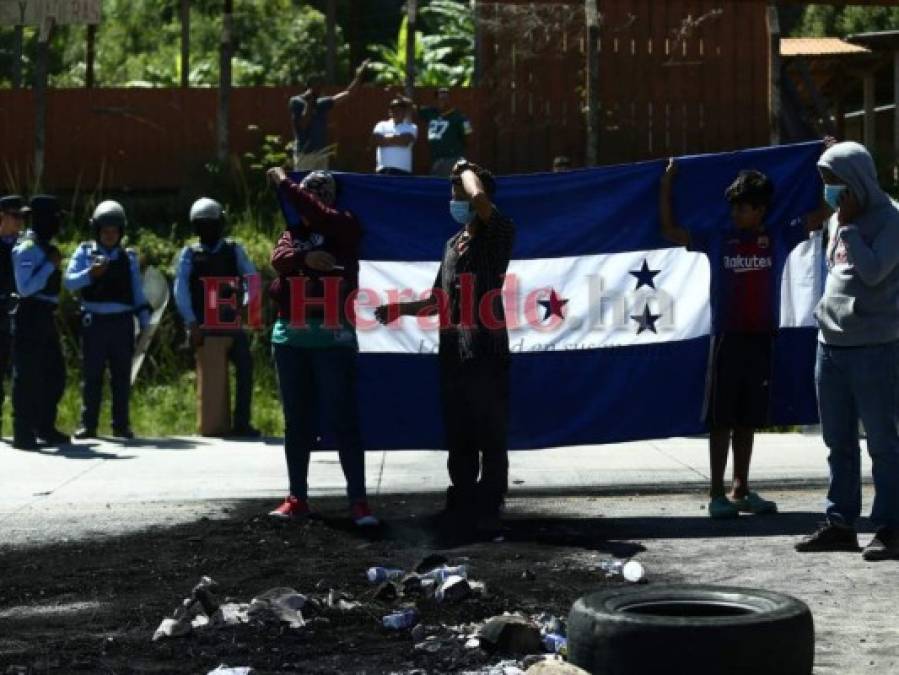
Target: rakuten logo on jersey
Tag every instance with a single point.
(747, 263)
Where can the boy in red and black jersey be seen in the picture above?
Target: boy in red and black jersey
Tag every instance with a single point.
(746, 262)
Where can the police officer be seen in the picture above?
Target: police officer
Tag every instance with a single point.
(214, 256)
(108, 278)
(13, 212)
(39, 372)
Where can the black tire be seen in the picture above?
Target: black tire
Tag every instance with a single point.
(691, 630)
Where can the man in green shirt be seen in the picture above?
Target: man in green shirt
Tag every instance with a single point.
(448, 130)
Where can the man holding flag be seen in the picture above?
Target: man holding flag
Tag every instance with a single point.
(474, 350)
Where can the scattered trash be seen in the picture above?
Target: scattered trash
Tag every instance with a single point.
(225, 670)
(511, 633)
(276, 605)
(203, 593)
(549, 623)
(454, 589)
(401, 620)
(631, 570)
(443, 573)
(172, 628)
(378, 575)
(555, 643)
(341, 601)
(504, 668)
(429, 562)
(190, 614)
(282, 604)
(232, 613)
(387, 592)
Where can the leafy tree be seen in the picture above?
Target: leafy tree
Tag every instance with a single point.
(138, 44)
(444, 56)
(819, 20)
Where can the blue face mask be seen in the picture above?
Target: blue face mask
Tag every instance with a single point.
(461, 211)
(832, 195)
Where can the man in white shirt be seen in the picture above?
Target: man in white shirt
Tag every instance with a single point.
(394, 138)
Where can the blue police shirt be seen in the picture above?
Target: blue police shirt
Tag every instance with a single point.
(32, 269)
(185, 266)
(77, 276)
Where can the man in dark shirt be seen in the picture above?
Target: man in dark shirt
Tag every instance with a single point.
(474, 348)
(309, 117)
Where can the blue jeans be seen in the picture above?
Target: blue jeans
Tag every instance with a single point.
(860, 383)
(314, 384)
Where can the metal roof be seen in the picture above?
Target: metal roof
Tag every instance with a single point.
(820, 46)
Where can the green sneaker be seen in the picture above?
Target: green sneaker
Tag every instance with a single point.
(753, 503)
(721, 508)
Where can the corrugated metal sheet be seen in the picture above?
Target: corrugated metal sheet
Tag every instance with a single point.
(827, 46)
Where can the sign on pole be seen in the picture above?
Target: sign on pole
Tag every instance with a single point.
(37, 12)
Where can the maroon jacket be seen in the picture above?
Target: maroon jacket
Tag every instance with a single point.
(323, 229)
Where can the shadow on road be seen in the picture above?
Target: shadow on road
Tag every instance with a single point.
(796, 523)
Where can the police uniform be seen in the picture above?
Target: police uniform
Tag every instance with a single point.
(109, 303)
(16, 205)
(216, 257)
(39, 373)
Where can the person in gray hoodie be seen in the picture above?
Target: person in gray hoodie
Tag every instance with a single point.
(857, 367)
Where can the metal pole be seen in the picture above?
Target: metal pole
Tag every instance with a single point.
(870, 112)
(17, 41)
(775, 100)
(40, 100)
(331, 42)
(89, 57)
(896, 113)
(411, 14)
(225, 81)
(185, 43)
(592, 46)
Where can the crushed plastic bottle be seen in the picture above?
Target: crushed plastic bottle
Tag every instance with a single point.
(631, 570)
(555, 643)
(378, 575)
(401, 620)
(441, 574)
(455, 588)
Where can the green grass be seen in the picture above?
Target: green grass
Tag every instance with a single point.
(163, 400)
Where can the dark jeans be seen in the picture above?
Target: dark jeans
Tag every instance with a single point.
(5, 348)
(860, 383)
(39, 373)
(476, 416)
(240, 356)
(106, 339)
(314, 381)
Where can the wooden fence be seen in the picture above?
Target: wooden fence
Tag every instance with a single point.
(676, 77)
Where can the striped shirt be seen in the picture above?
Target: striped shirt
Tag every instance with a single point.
(473, 325)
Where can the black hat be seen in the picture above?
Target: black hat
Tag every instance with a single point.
(13, 204)
(45, 213)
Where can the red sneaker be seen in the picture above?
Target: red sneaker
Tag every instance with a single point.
(291, 508)
(362, 515)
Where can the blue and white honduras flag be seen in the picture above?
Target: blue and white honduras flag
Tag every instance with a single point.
(609, 324)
